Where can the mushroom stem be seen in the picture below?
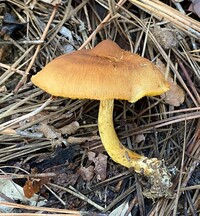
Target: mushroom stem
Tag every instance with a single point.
(154, 169)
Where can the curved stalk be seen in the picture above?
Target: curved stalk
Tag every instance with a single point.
(154, 169)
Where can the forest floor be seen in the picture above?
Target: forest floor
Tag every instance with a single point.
(52, 160)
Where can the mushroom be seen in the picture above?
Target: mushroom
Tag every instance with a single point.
(105, 73)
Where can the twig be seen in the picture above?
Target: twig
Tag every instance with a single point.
(76, 193)
(26, 42)
(194, 187)
(57, 197)
(35, 208)
(11, 176)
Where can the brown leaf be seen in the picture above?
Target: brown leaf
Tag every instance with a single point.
(48, 131)
(175, 96)
(70, 128)
(139, 138)
(65, 179)
(86, 173)
(31, 187)
(165, 37)
(195, 7)
(34, 185)
(100, 164)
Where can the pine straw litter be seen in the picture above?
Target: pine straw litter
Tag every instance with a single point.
(37, 129)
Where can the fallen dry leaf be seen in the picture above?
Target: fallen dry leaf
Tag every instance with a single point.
(49, 131)
(66, 179)
(165, 37)
(86, 173)
(100, 164)
(175, 96)
(70, 128)
(195, 7)
(139, 138)
(31, 187)
(13, 191)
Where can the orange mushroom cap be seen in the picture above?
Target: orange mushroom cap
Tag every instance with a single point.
(104, 72)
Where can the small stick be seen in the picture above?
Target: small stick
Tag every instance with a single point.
(76, 193)
(83, 197)
(15, 205)
(11, 176)
(55, 195)
(193, 187)
(36, 42)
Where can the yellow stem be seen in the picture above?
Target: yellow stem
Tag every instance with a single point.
(152, 168)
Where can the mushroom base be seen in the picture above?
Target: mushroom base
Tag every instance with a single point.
(157, 173)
